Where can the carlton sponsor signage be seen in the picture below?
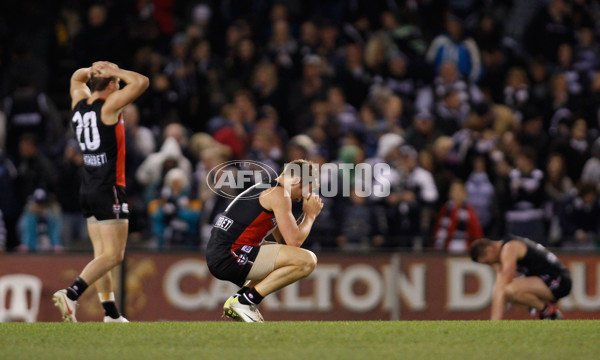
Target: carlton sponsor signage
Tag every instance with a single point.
(343, 287)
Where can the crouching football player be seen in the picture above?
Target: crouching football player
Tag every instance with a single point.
(526, 274)
(236, 251)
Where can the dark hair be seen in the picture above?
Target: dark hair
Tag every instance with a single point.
(100, 83)
(477, 248)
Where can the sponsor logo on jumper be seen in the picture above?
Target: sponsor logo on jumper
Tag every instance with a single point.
(94, 160)
(223, 222)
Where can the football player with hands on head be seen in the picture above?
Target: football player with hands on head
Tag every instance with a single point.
(97, 102)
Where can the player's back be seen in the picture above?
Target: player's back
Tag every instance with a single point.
(538, 260)
(103, 147)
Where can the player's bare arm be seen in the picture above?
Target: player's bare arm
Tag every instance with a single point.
(115, 102)
(79, 89)
(293, 234)
(505, 273)
(277, 234)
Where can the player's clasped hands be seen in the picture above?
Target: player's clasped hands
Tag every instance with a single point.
(103, 68)
(312, 204)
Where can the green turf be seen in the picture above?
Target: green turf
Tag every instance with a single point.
(531, 340)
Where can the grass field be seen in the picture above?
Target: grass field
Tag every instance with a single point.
(380, 340)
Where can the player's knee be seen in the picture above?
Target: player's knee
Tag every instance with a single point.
(309, 263)
(116, 258)
(510, 291)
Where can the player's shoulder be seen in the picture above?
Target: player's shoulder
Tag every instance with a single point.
(514, 247)
(78, 102)
(273, 197)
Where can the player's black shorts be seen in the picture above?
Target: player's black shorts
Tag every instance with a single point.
(227, 265)
(559, 285)
(109, 204)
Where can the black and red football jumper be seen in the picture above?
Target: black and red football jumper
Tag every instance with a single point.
(237, 233)
(102, 191)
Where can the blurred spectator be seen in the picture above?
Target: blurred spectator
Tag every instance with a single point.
(591, 169)
(266, 148)
(175, 216)
(268, 90)
(376, 53)
(540, 85)
(330, 42)
(143, 138)
(180, 71)
(558, 115)
(151, 172)
(579, 219)
(516, 90)
(98, 39)
(29, 111)
(552, 21)
(74, 228)
(448, 81)
(342, 113)
(451, 113)
(309, 38)
(457, 224)
(558, 186)
(34, 171)
(576, 79)
(423, 132)
(40, 224)
(362, 225)
(457, 47)
(586, 53)
(480, 194)
(421, 183)
(353, 77)
(282, 48)
(240, 65)
(525, 217)
(558, 189)
(575, 148)
(393, 117)
(400, 27)
(399, 79)
(310, 87)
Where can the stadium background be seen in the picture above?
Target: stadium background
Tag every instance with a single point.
(333, 81)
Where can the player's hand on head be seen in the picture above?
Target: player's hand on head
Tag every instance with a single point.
(104, 69)
(312, 204)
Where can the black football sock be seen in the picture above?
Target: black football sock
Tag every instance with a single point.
(110, 309)
(74, 291)
(251, 297)
(243, 290)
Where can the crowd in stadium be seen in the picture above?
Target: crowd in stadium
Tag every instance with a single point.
(487, 111)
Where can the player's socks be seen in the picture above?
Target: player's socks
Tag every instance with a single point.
(243, 290)
(74, 291)
(109, 305)
(250, 297)
(550, 312)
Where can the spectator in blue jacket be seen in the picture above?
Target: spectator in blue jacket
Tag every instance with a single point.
(175, 216)
(40, 224)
